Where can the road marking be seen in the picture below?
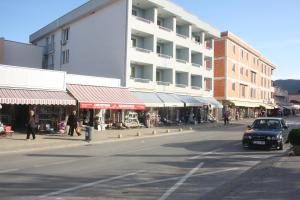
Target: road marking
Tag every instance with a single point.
(87, 185)
(8, 170)
(178, 177)
(180, 182)
(205, 153)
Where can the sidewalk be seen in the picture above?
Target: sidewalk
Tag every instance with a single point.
(18, 143)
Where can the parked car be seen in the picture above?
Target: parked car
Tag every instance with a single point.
(266, 132)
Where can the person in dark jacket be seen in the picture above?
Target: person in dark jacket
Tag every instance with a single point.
(31, 125)
(72, 122)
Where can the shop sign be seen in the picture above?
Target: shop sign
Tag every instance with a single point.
(112, 106)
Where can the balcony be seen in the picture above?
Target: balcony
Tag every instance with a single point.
(164, 76)
(165, 20)
(208, 63)
(182, 29)
(49, 48)
(197, 38)
(164, 48)
(142, 42)
(182, 79)
(196, 59)
(143, 12)
(141, 73)
(196, 82)
(208, 84)
(208, 43)
(182, 54)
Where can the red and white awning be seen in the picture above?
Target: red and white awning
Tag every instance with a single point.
(96, 97)
(35, 97)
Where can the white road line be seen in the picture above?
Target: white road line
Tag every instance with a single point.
(177, 177)
(205, 153)
(180, 182)
(88, 185)
(8, 170)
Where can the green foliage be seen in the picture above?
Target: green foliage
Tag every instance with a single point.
(294, 137)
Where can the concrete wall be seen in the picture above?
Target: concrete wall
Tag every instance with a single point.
(92, 80)
(96, 43)
(21, 77)
(20, 54)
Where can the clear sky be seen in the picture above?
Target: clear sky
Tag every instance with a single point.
(271, 26)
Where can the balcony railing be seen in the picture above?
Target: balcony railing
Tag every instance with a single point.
(196, 87)
(196, 65)
(143, 19)
(141, 80)
(182, 36)
(163, 83)
(181, 85)
(181, 61)
(142, 50)
(164, 56)
(195, 41)
(165, 28)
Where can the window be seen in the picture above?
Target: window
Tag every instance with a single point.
(65, 56)
(233, 86)
(133, 42)
(247, 72)
(261, 94)
(65, 34)
(242, 53)
(233, 67)
(242, 71)
(132, 75)
(198, 38)
(134, 12)
(158, 76)
(242, 90)
(247, 56)
(253, 93)
(233, 49)
(262, 68)
(253, 77)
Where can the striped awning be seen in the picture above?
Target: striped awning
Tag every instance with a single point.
(97, 97)
(35, 97)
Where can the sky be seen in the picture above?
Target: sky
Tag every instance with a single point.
(270, 26)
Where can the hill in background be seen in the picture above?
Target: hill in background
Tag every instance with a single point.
(291, 85)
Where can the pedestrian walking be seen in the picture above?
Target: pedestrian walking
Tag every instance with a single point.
(226, 117)
(72, 122)
(31, 125)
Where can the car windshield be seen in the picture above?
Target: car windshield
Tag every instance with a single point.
(263, 124)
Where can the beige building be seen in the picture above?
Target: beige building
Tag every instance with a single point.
(242, 77)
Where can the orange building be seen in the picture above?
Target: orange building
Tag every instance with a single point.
(242, 77)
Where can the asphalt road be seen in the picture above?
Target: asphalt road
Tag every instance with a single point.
(207, 164)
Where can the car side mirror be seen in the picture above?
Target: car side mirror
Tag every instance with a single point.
(249, 127)
(285, 127)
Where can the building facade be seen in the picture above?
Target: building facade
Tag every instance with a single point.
(242, 77)
(152, 46)
(20, 54)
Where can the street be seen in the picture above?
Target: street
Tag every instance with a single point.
(208, 164)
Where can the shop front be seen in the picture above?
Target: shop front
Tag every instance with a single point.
(50, 108)
(106, 107)
(43, 91)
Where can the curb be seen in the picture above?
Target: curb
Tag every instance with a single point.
(84, 143)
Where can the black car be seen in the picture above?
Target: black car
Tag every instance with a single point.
(266, 132)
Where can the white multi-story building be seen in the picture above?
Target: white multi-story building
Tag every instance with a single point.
(151, 45)
(162, 53)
